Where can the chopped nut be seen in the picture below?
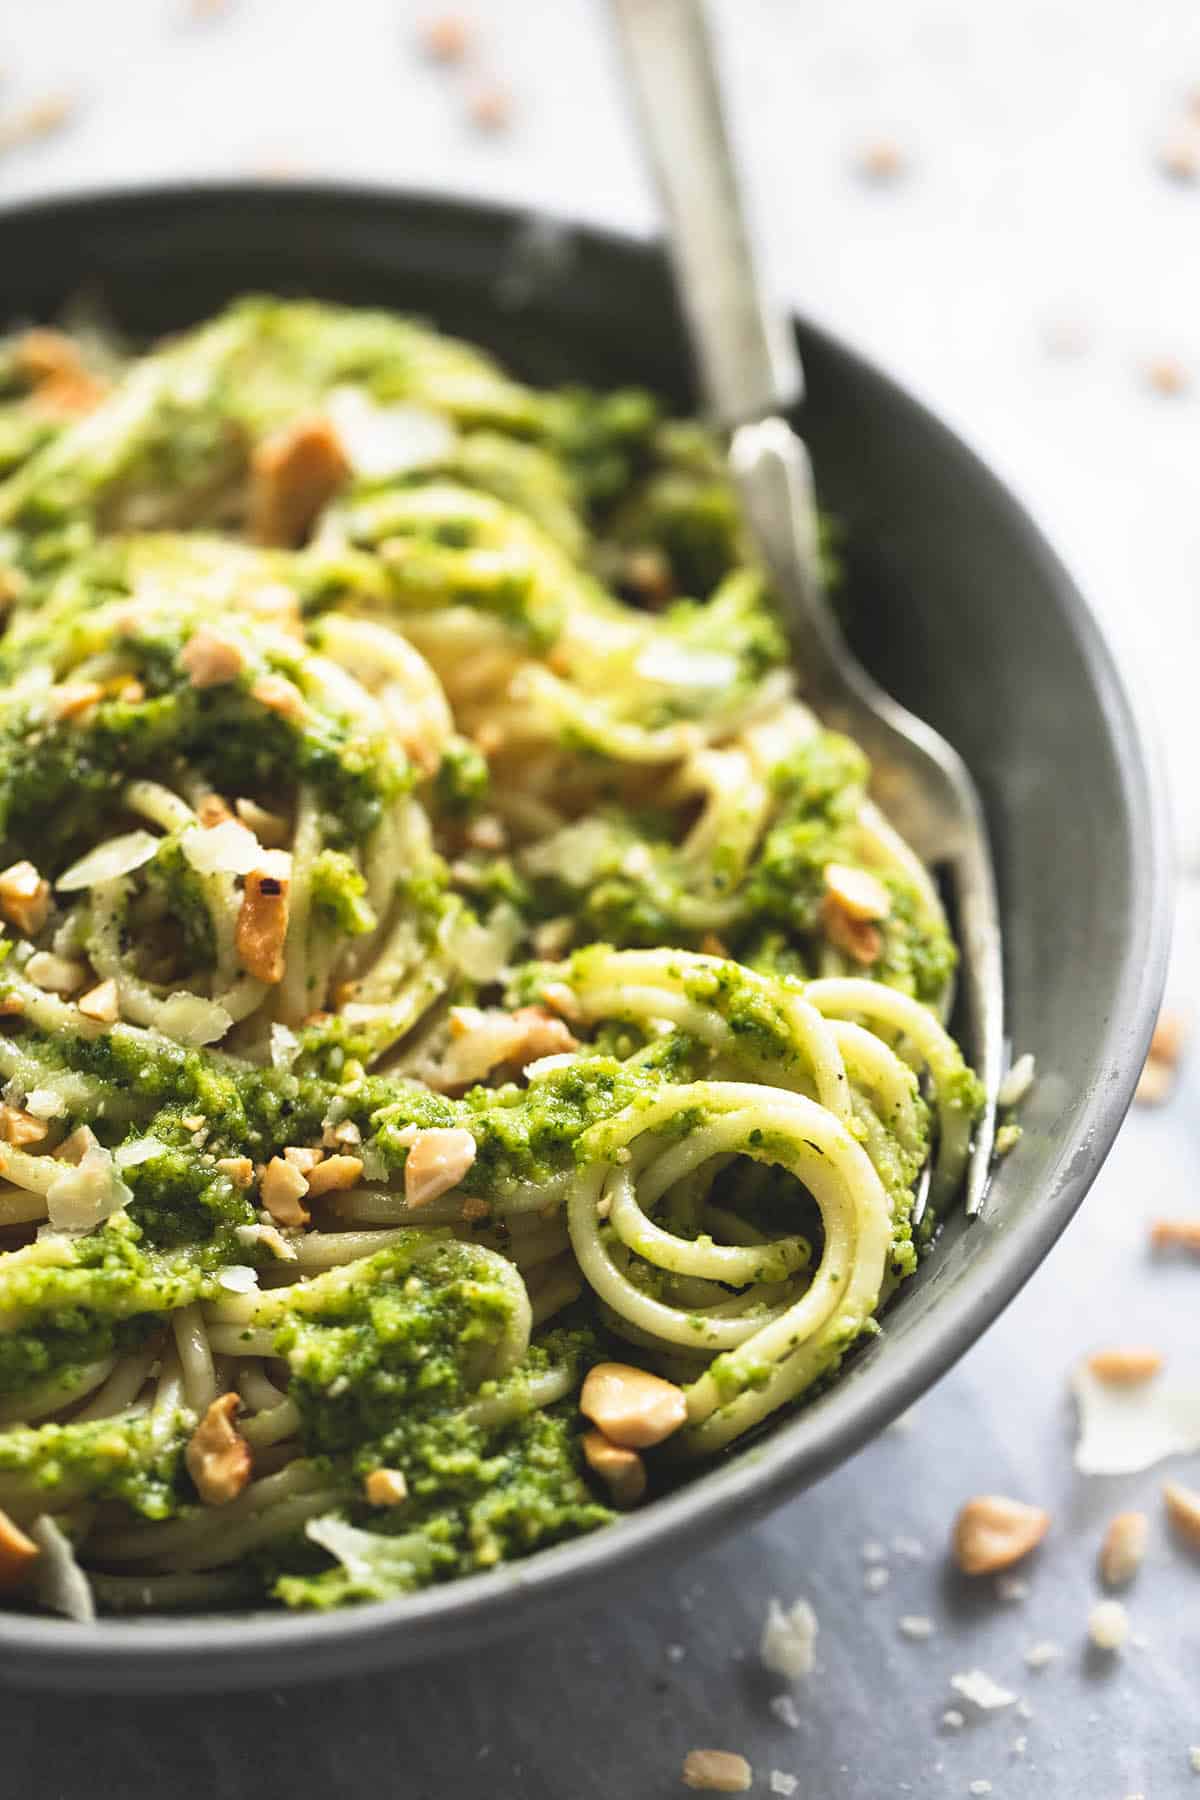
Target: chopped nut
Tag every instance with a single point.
(280, 1191)
(268, 1235)
(1175, 1234)
(11, 1006)
(335, 1174)
(263, 917)
(193, 1121)
(210, 660)
(621, 1470)
(1123, 1367)
(1167, 376)
(56, 974)
(101, 1003)
(44, 116)
(302, 1157)
(1170, 1035)
(345, 1135)
(20, 1128)
(437, 1162)
(1179, 156)
(712, 945)
(73, 1149)
(280, 695)
(446, 39)
(294, 473)
(992, 1533)
(24, 898)
(270, 828)
(473, 1210)
(860, 895)
(72, 699)
(1108, 1625)
(719, 1771)
(211, 810)
(490, 107)
(1183, 1510)
(386, 1487)
(861, 939)
(632, 1408)
(1123, 1548)
(239, 1169)
(18, 1553)
(881, 159)
(218, 1457)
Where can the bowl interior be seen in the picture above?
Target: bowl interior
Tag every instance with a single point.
(958, 606)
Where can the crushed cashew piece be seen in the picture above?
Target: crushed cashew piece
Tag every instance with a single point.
(437, 1161)
(281, 1189)
(632, 1407)
(447, 38)
(992, 1532)
(386, 1487)
(210, 660)
(293, 474)
(218, 1457)
(621, 1470)
(282, 696)
(1183, 1510)
(72, 699)
(24, 898)
(56, 974)
(335, 1174)
(262, 920)
(1125, 1365)
(859, 894)
(1175, 1234)
(302, 1157)
(18, 1554)
(1123, 1548)
(101, 1003)
(717, 1771)
(270, 1237)
(861, 939)
(20, 1128)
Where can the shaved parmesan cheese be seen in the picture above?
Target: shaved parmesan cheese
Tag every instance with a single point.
(388, 440)
(60, 1583)
(789, 1640)
(118, 856)
(1123, 1428)
(225, 849)
(84, 1195)
(190, 1019)
(285, 1047)
(546, 1065)
(784, 1709)
(238, 1278)
(1017, 1082)
(128, 1156)
(981, 1690)
(482, 951)
(45, 1103)
(675, 665)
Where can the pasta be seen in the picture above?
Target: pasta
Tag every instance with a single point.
(471, 1047)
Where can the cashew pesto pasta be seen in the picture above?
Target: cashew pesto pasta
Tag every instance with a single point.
(470, 1045)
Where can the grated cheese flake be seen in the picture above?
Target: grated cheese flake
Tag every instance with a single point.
(979, 1688)
(789, 1639)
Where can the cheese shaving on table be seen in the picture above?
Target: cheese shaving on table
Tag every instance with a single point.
(1124, 1428)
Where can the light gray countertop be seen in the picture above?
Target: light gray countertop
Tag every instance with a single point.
(1030, 202)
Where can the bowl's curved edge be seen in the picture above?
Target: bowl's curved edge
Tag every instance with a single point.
(198, 1653)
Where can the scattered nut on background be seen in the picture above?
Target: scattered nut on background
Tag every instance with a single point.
(446, 38)
(992, 1532)
(881, 159)
(1124, 1548)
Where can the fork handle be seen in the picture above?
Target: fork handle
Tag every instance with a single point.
(748, 362)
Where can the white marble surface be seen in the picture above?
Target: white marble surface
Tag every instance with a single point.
(1031, 200)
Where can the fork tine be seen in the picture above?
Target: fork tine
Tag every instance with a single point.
(983, 990)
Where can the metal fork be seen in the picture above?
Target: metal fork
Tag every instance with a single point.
(750, 371)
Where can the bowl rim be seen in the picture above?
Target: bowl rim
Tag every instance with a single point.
(197, 1653)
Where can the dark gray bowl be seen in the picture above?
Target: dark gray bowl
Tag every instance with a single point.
(962, 610)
